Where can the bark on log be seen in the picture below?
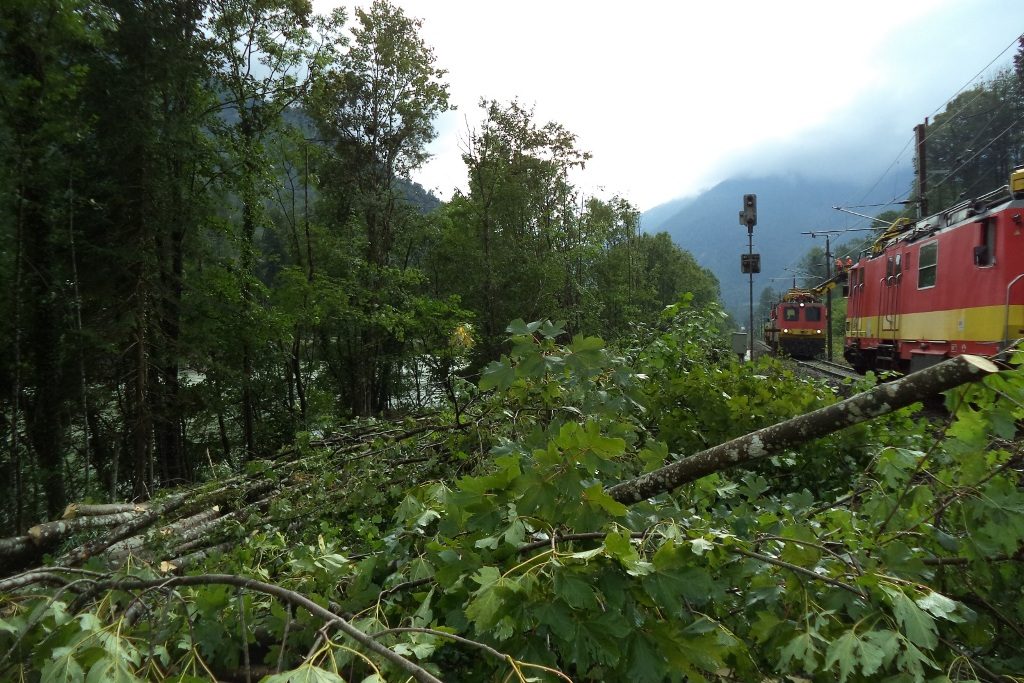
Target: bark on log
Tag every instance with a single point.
(123, 548)
(86, 510)
(197, 536)
(184, 503)
(16, 545)
(186, 561)
(882, 399)
(31, 579)
(87, 550)
(51, 532)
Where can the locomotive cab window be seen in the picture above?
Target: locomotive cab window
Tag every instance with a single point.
(790, 313)
(984, 253)
(927, 265)
(812, 315)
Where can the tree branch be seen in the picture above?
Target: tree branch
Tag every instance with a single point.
(882, 399)
(287, 596)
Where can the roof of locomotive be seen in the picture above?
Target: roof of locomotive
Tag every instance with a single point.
(967, 211)
(798, 295)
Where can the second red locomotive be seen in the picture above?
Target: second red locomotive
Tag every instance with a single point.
(796, 325)
(948, 284)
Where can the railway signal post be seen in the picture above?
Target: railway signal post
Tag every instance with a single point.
(750, 262)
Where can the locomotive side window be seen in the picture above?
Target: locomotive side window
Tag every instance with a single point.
(984, 253)
(812, 315)
(791, 313)
(927, 265)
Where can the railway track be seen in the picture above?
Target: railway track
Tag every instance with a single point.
(829, 369)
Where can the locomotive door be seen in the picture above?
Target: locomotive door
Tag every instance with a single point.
(890, 308)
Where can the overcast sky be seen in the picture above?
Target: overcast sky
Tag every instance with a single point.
(673, 97)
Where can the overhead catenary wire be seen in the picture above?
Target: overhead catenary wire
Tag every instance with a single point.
(945, 104)
(973, 156)
(977, 75)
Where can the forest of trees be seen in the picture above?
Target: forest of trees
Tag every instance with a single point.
(210, 243)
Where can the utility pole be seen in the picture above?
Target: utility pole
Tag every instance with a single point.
(922, 169)
(828, 276)
(828, 300)
(750, 262)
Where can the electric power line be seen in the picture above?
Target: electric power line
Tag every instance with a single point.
(899, 156)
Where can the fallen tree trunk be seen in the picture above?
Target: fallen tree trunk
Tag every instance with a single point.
(882, 399)
(123, 548)
(50, 532)
(16, 545)
(86, 510)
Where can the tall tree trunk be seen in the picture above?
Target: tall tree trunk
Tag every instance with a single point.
(19, 493)
(141, 419)
(249, 194)
(46, 429)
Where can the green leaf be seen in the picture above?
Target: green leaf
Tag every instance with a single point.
(110, 670)
(519, 327)
(576, 592)
(551, 330)
(911, 659)
(620, 546)
(917, 624)
(64, 669)
(701, 546)
(532, 366)
(766, 626)
(939, 606)
(645, 662)
(486, 576)
(845, 651)
(877, 648)
(595, 495)
(484, 608)
(307, 673)
(581, 344)
(497, 375)
(555, 616)
(801, 649)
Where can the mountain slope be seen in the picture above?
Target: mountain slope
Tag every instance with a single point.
(708, 225)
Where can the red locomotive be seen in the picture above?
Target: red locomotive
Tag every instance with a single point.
(948, 284)
(796, 325)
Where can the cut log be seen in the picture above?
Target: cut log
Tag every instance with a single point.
(198, 536)
(131, 528)
(86, 510)
(186, 561)
(123, 548)
(882, 399)
(50, 532)
(16, 545)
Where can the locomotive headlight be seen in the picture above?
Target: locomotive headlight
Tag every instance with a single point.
(785, 330)
(818, 331)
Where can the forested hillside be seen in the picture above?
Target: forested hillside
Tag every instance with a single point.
(209, 243)
(272, 413)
